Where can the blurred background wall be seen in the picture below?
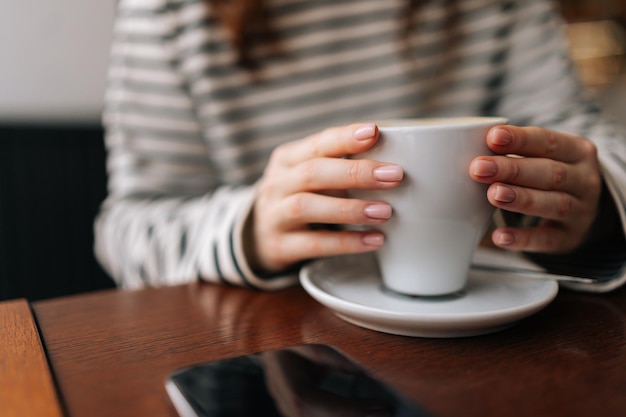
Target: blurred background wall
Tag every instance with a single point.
(52, 173)
(597, 33)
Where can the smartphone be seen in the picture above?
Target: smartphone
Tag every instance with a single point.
(297, 381)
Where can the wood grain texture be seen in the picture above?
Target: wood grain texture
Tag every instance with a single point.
(26, 386)
(111, 351)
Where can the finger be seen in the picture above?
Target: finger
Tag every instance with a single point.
(547, 238)
(558, 206)
(297, 246)
(539, 173)
(539, 142)
(311, 208)
(334, 142)
(340, 174)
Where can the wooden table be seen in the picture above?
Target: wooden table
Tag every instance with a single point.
(26, 385)
(111, 351)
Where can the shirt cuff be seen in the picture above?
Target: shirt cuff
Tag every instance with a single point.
(251, 279)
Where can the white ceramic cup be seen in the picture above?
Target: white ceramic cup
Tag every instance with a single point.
(439, 212)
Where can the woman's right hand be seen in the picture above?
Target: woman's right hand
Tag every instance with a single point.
(305, 185)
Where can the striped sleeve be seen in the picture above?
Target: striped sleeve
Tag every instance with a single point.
(541, 78)
(168, 218)
(189, 132)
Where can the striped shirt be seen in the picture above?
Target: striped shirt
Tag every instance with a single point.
(189, 131)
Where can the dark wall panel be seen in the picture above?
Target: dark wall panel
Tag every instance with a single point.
(52, 180)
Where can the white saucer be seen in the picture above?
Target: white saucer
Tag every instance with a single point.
(351, 286)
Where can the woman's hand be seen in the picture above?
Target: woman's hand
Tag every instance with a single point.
(305, 185)
(550, 175)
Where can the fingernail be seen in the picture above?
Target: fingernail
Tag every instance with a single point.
(483, 168)
(504, 239)
(365, 132)
(504, 194)
(501, 137)
(373, 239)
(389, 173)
(378, 211)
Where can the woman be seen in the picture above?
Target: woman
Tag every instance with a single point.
(223, 161)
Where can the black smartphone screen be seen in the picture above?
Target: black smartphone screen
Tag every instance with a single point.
(303, 380)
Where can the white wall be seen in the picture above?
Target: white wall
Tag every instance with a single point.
(53, 59)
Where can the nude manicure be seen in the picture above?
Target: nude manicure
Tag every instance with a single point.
(365, 132)
(373, 239)
(505, 239)
(501, 137)
(482, 168)
(378, 211)
(389, 173)
(504, 194)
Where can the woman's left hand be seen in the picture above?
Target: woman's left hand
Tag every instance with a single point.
(537, 172)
